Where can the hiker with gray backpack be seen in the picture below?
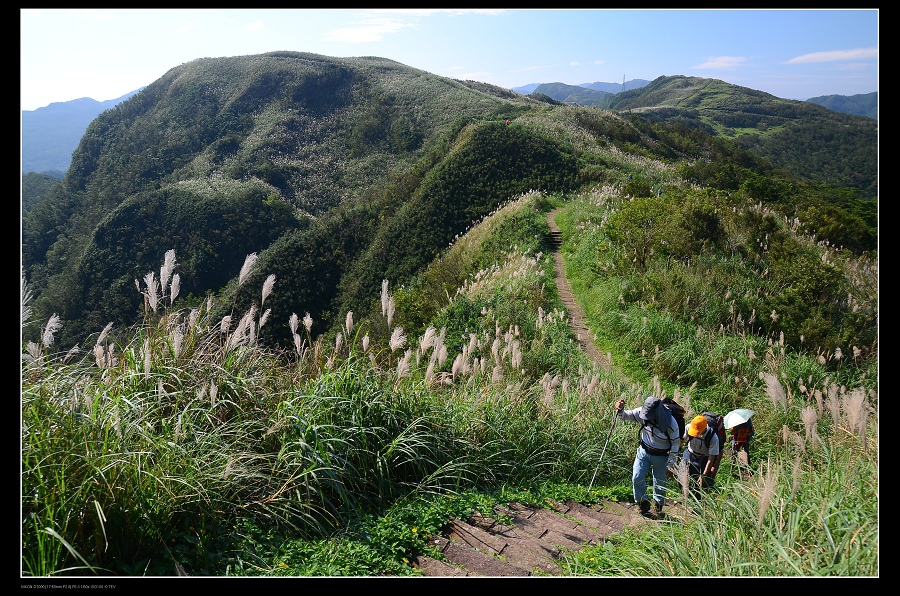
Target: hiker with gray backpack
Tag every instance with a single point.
(703, 452)
(658, 446)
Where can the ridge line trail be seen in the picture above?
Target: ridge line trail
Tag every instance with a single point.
(577, 320)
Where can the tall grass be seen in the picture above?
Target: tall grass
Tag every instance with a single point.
(190, 448)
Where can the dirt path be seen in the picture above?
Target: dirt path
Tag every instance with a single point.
(577, 320)
(534, 541)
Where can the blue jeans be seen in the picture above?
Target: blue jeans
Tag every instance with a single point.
(643, 464)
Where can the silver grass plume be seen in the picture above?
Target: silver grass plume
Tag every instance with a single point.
(247, 268)
(365, 344)
(398, 340)
(391, 307)
(403, 365)
(104, 333)
(770, 481)
(177, 340)
(265, 317)
(427, 340)
(429, 372)
(267, 288)
(294, 322)
(165, 272)
(775, 390)
(810, 418)
(152, 290)
(54, 324)
(307, 322)
(225, 325)
(26, 299)
(349, 322)
(856, 410)
(176, 286)
(384, 297)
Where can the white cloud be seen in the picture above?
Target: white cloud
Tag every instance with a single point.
(254, 26)
(369, 31)
(722, 63)
(574, 63)
(835, 56)
(599, 62)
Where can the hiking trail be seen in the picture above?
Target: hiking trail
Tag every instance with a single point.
(577, 320)
(518, 540)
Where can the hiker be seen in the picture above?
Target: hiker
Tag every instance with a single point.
(716, 423)
(507, 121)
(657, 450)
(741, 427)
(702, 453)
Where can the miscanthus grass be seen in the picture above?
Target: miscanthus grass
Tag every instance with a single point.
(185, 447)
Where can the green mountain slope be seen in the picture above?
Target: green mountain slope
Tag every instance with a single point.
(575, 94)
(863, 104)
(341, 172)
(801, 137)
(50, 134)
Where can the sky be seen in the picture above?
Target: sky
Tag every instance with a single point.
(104, 54)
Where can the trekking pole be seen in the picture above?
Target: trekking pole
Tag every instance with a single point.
(615, 416)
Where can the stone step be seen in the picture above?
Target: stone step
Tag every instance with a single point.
(528, 541)
(524, 552)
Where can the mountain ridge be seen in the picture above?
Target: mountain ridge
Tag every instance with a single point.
(340, 173)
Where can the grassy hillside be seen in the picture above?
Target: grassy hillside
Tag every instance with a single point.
(863, 104)
(339, 173)
(346, 453)
(800, 137)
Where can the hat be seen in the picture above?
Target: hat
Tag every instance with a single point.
(648, 410)
(698, 426)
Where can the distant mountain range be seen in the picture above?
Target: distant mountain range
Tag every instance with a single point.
(865, 104)
(600, 95)
(605, 87)
(50, 134)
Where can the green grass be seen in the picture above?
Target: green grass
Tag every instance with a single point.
(189, 450)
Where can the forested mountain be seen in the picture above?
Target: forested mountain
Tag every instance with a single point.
(801, 137)
(342, 172)
(596, 86)
(863, 104)
(34, 187)
(575, 94)
(51, 133)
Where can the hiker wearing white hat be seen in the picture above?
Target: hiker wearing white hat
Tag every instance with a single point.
(741, 427)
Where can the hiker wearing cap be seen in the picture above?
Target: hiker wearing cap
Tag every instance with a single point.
(702, 453)
(657, 449)
(741, 427)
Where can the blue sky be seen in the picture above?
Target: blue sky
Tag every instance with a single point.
(793, 54)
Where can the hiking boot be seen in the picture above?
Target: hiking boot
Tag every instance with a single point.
(645, 507)
(659, 510)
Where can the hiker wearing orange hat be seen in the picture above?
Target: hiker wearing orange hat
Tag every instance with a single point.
(702, 453)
